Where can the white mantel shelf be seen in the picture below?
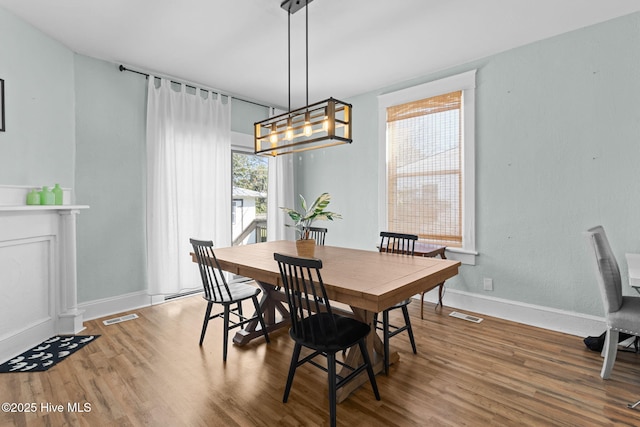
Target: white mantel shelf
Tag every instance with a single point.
(38, 279)
(28, 208)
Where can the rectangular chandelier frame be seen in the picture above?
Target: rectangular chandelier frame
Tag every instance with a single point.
(323, 124)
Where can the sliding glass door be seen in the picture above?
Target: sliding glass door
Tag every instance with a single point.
(249, 198)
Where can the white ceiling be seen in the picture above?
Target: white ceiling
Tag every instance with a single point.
(355, 46)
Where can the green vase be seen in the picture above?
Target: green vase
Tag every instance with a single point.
(33, 197)
(57, 193)
(46, 196)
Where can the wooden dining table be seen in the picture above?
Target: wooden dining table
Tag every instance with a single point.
(366, 282)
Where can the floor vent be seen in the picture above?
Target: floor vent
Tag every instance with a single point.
(120, 319)
(465, 317)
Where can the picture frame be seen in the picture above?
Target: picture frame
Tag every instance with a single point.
(2, 124)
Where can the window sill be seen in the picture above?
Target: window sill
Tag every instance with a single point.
(462, 255)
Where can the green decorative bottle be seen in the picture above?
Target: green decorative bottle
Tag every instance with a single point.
(33, 197)
(57, 193)
(46, 196)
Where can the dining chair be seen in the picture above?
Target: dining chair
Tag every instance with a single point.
(315, 326)
(404, 244)
(430, 250)
(318, 234)
(218, 291)
(622, 312)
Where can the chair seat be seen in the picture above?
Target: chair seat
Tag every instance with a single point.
(626, 319)
(401, 304)
(239, 292)
(348, 332)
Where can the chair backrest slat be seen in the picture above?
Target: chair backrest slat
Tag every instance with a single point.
(306, 296)
(213, 280)
(318, 234)
(397, 243)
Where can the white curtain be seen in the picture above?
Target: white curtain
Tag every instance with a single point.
(188, 181)
(280, 195)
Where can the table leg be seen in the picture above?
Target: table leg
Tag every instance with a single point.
(271, 301)
(375, 348)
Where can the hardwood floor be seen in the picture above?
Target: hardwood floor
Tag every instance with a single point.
(151, 371)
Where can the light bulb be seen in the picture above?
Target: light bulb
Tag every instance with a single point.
(273, 136)
(288, 135)
(307, 125)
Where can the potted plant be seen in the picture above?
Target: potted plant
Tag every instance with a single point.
(304, 218)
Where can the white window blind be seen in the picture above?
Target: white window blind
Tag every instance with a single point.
(424, 168)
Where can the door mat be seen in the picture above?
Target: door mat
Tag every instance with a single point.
(47, 353)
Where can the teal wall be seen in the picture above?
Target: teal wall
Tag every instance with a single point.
(111, 178)
(557, 143)
(244, 115)
(38, 146)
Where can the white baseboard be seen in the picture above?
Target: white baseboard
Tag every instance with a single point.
(118, 304)
(25, 339)
(567, 322)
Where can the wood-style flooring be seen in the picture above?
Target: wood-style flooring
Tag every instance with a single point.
(151, 372)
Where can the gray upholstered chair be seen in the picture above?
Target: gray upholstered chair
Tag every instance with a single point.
(622, 312)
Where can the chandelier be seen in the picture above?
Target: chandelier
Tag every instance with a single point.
(322, 124)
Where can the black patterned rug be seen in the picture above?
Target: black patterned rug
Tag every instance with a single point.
(47, 353)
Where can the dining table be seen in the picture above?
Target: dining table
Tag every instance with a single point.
(362, 282)
(633, 268)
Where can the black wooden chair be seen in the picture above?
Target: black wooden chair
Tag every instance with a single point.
(318, 234)
(315, 326)
(397, 243)
(218, 291)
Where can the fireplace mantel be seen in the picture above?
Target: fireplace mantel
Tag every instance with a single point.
(25, 208)
(38, 282)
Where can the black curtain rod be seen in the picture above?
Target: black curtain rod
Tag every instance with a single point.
(123, 68)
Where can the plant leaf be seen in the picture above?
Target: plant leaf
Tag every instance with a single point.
(321, 202)
(295, 216)
(327, 216)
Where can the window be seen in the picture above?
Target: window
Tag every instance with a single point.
(427, 147)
